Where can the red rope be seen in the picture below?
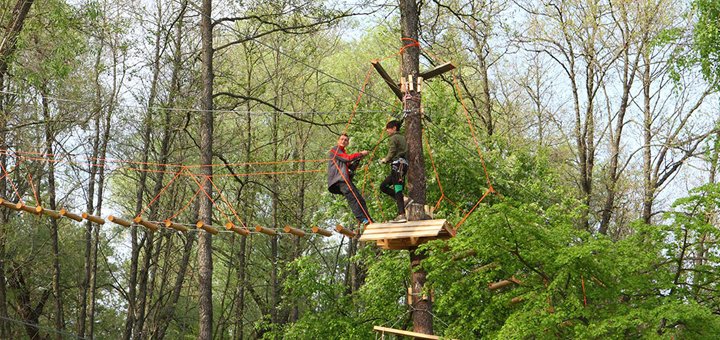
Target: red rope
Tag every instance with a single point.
(582, 280)
(357, 101)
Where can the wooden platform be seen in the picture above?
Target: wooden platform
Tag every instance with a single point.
(405, 235)
(383, 330)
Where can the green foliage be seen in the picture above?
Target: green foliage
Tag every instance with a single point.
(707, 38)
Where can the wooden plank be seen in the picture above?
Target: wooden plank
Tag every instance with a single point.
(402, 228)
(413, 223)
(401, 234)
(388, 80)
(416, 335)
(437, 71)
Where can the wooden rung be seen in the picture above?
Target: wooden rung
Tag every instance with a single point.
(437, 71)
(91, 218)
(419, 84)
(503, 283)
(236, 229)
(120, 221)
(388, 80)
(65, 213)
(415, 335)
(323, 232)
(7, 204)
(516, 300)
(344, 231)
(294, 231)
(52, 213)
(173, 225)
(207, 228)
(410, 83)
(152, 226)
(265, 230)
(27, 208)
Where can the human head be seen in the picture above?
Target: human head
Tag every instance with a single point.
(393, 126)
(343, 140)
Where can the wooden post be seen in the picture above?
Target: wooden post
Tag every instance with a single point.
(7, 204)
(26, 208)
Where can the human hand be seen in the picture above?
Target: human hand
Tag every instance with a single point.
(364, 153)
(382, 161)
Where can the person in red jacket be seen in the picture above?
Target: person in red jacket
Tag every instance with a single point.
(340, 173)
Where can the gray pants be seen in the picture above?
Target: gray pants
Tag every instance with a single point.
(354, 199)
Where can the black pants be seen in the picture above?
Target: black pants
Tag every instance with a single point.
(354, 199)
(393, 186)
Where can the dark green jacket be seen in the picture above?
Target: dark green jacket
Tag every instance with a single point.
(397, 147)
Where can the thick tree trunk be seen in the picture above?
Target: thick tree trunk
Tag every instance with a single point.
(409, 18)
(205, 265)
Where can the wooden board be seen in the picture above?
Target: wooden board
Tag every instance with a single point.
(416, 335)
(406, 235)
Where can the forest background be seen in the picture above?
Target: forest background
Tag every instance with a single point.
(597, 122)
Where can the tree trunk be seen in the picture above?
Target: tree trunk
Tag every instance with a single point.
(409, 18)
(205, 265)
(52, 204)
(648, 186)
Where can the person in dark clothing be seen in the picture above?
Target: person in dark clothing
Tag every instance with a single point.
(340, 172)
(394, 183)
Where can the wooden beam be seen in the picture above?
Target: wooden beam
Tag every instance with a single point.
(65, 213)
(236, 229)
(26, 208)
(345, 231)
(208, 228)
(437, 71)
(173, 225)
(266, 231)
(52, 213)
(120, 221)
(388, 80)
(91, 218)
(152, 226)
(7, 204)
(323, 232)
(416, 335)
(294, 231)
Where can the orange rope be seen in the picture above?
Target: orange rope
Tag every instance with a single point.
(472, 130)
(350, 188)
(208, 195)
(437, 175)
(161, 191)
(32, 185)
(489, 190)
(357, 101)
(582, 280)
(102, 161)
(186, 205)
(227, 203)
(11, 182)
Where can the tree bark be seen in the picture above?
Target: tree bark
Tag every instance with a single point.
(409, 18)
(205, 265)
(52, 204)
